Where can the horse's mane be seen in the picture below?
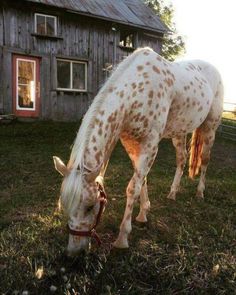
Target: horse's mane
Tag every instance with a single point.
(71, 188)
(77, 153)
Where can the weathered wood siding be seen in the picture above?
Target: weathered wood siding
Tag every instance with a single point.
(81, 38)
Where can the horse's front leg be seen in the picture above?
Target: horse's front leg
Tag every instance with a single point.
(133, 192)
(142, 163)
(144, 203)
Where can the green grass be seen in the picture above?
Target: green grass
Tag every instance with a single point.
(187, 246)
(229, 118)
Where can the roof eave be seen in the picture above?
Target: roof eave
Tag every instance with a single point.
(118, 22)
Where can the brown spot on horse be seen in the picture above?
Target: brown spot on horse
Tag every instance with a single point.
(139, 68)
(156, 69)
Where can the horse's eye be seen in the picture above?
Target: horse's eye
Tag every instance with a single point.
(90, 208)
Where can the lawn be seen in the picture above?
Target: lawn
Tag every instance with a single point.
(187, 246)
(229, 115)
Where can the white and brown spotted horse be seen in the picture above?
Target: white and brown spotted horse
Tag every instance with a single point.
(146, 99)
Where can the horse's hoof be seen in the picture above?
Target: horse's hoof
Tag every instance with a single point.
(200, 195)
(171, 196)
(121, 244)
(141, 218)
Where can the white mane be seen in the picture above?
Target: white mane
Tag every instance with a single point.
(71, 191)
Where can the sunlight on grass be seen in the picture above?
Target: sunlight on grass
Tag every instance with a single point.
(229, 115)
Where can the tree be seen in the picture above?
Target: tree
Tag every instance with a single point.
(173, 44)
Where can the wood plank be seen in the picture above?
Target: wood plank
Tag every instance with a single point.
(1, 81)
(7, 82)
(45, 86)
(1, 28)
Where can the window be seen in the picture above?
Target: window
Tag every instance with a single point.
(71, 75)
(45, 24)
(25, 90)
(127, 39)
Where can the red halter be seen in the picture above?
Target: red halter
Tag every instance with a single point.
(92, 232)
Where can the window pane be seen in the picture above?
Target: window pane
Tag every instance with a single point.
(51, 26)
(126, 39)
(79, 76)
(129, 41)
(63, 74)
(26, 84)
(25, 71)
(40, 24)
(26, 96)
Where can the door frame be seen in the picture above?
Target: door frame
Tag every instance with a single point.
(24, 112)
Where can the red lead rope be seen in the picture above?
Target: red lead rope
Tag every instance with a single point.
(92, 232)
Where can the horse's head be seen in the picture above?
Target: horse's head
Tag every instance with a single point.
(83, 199)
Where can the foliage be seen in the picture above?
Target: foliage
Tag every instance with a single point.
(187, 246)
(173, 43)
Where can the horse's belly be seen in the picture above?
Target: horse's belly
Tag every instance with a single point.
(185, 120)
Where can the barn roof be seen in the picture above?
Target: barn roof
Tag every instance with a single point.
(130, 12)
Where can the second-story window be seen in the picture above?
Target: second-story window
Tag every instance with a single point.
(127, 39)
(45, 24)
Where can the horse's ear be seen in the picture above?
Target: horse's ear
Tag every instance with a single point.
(60, 166)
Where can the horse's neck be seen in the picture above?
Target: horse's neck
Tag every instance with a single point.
(106, 125)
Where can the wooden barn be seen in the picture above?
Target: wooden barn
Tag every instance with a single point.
(55, 55)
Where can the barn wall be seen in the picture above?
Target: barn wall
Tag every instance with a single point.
(6, 82)
(80, 38)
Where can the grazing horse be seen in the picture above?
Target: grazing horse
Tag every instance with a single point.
(146, 99)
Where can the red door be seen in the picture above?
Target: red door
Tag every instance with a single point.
(26, 86)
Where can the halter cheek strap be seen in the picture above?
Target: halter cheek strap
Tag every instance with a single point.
(92, 232)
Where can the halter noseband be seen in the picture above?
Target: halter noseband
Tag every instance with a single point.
(92, 232)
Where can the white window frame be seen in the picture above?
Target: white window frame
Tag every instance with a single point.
(71, 75)
(45, 15)
(17, 93)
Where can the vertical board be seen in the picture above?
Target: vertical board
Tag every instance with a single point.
(1, 81)
(7, 82)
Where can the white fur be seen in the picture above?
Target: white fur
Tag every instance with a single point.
(146, 98)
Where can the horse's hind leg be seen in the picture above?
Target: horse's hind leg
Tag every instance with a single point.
(181, 156)
(144, 203)
(142, 155)
(208, 131)
(208, 138)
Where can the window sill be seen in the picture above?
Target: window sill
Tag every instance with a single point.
(127, 48)
(46, 36)
(71, 90)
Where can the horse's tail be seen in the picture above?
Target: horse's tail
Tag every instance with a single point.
(195, 152)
